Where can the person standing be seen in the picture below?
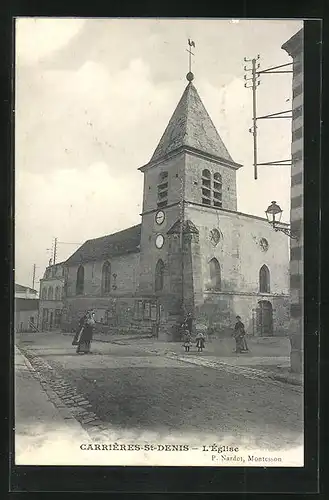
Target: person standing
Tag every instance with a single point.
(239, 335)
(187, 341)
(86, 335)
(200, 341)
(78, 332)
(189, 323)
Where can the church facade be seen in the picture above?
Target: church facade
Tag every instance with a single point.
(193, 251)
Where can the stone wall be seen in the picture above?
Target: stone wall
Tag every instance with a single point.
(174, 167)
(194, 165)
(124, 267)
(294, 47)
(150, 254)
(239, 252)
(219, 310)
(114, 315)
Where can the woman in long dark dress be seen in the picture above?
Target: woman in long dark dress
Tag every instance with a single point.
(239, 333)
(78, 331)
(86, 335)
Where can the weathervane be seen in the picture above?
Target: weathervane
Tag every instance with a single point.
(190, 75)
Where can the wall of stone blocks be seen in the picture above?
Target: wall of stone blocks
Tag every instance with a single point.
(175, 167)
(239, 252)
(194, 165)
(150, 254)
(125, 267)
(121, 317)
(219, 311)
(294, 48)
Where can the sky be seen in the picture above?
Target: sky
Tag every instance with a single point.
(93, 97)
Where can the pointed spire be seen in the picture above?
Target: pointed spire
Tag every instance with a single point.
(191, 126)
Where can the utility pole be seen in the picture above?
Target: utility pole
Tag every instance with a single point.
(254, 82)
(33, 279)
(254, 112)
(55, 251)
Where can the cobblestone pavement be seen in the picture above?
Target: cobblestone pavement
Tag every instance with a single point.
(126, 388)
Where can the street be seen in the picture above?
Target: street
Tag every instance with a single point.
(130, 389)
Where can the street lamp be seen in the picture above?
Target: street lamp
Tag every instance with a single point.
(273, 215)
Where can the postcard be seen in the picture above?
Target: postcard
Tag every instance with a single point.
(159, 242)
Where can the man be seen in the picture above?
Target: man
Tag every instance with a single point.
(239, 335)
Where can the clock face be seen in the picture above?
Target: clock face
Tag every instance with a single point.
(159, 241)
(159, 217)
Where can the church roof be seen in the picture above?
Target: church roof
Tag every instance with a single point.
(191, 126)
(188, 227)
(113, 245)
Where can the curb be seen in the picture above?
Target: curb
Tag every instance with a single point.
(62, 409)
(71, 405)
(240, 370)
(124, 341)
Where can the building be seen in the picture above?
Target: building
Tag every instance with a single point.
(193, 251)
(51, 297)
(25, 292)
(26, 308)
(294, 47)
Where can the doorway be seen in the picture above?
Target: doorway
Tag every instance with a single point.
(264, 318)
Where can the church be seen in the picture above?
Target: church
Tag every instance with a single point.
(193, 252)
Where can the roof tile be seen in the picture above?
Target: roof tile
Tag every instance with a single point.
(191, 126)
(105, 247)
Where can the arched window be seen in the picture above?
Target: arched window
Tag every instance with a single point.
(217, 190)
(215, 274)
(80, 281)
(50, 293)
(264, 279)
(106, 278)
(206, 187)
(163, 189)
(159, 272)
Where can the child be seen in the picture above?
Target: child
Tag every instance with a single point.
(200, 341)
(187, 341)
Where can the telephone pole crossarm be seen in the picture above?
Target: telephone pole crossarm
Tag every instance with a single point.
(272, 70)
(254, 82)
(278, 163)
(276, 115)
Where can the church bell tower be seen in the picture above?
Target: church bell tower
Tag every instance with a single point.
(190, 166)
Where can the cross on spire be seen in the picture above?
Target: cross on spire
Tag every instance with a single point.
(190, 75)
